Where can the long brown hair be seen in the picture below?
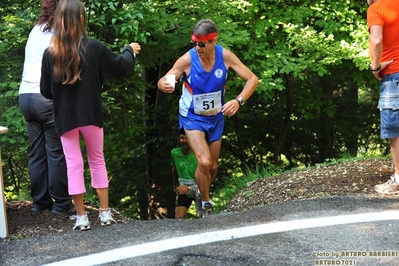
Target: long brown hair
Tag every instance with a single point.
(66, 45)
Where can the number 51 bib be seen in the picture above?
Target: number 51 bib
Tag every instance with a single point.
(208, 103)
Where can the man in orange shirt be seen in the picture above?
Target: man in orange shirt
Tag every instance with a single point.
(383, 25)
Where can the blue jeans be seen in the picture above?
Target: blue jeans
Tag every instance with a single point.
(389, 106)
(47, 167)
(389, 92)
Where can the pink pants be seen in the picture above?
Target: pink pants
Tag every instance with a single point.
(94, 140)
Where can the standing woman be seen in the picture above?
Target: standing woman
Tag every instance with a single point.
(46, 166)
(73, 72)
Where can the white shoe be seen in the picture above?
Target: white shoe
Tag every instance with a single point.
(82, 223)
(389, 187)
(106, 218)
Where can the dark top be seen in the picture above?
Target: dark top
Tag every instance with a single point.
(80, 104)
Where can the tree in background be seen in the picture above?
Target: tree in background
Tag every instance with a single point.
(14, 30)
(316, 99)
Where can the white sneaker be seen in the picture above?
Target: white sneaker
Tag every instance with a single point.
(389, 187)
(82, 223)
(106, 218)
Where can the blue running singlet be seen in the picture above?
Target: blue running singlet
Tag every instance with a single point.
(203, 92)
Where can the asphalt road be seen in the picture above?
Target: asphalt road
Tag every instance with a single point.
(329, 231)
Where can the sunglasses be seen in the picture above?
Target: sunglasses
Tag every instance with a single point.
(200, 44)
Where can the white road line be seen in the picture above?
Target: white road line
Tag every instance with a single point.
(197, 239)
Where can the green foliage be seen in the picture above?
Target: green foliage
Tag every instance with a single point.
(17, 237)
(316, 99)
(302, 54)
(16, 19)
(238, 181)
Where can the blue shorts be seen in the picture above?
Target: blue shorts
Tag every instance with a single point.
(213, 129)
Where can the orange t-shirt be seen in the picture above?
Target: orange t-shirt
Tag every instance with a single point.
(386, 14)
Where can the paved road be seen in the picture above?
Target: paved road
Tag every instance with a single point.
(330, 231)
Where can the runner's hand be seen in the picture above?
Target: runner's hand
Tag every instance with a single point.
(230, 108)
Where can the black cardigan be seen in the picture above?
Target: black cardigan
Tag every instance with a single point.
(80, 104)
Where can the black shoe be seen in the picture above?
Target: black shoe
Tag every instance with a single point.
(37, 208)
(57, 211)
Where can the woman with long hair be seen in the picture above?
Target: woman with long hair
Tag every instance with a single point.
(46, 166)
(73, 72)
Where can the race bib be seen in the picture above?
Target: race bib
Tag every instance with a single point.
(186, 182)
(208, 103)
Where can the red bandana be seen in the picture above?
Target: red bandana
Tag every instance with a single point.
(204, 37)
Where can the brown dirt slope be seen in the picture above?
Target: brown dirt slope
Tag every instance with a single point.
(351, 178)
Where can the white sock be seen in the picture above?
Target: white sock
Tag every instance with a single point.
(204, 202)
(396, 178)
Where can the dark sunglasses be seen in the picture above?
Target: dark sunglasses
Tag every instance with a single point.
(200, 44)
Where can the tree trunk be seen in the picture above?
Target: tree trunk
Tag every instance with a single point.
(240, 142)
(352, 118)
(161, 199)
(326, 134)
(286, 123)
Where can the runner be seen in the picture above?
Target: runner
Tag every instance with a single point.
(202, 104)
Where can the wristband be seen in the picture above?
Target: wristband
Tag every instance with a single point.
(375, 69)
